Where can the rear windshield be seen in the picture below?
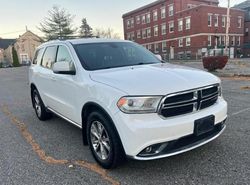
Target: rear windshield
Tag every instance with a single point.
(96, 56)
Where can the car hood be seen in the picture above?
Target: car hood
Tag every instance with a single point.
(155, 79)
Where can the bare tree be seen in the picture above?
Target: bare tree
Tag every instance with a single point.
(106, 33)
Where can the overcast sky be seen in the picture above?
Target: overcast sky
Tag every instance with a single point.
(16, 14)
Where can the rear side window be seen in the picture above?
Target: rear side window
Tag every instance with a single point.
(49, 57)
(38, 56)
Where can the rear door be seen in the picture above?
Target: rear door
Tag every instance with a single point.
(45, 80)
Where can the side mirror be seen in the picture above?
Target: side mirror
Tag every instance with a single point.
(159, 57)
(66, 68)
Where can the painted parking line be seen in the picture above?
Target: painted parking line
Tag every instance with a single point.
(49, 159)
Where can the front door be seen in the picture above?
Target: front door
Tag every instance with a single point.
(171, 52)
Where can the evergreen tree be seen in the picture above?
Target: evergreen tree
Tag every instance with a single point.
(85, 29)
(58, 24)
(15, 58)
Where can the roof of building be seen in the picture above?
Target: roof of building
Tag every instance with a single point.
(157, 2)
(4, 43)
(244, 5)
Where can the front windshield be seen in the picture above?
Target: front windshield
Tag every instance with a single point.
(96, 56)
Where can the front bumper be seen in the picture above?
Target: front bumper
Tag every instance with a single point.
(138, 132)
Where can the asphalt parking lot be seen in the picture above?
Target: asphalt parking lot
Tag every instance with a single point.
(35, 152)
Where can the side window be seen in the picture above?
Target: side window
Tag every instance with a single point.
(63, 55)
(49, 57)
(38, 56)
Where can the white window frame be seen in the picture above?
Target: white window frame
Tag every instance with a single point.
(163, 14)
(164, 46)
(209, 19)
(143, 19)
(209, 40)
(188, 25)
(188, 41)
(171, 26)
(128, 23)
(239, 21)
(144, 33)
(156, 44)
(162, 26)
(238, 41)
(216, 20)
(149, 32)
(180, 43)
(171, 10)
(138, 34)
(138, 19)
(155, 15)
(149, 47)
(148, 18)
(156, 30)
(180, 26)
(233, 41)
(224, 21)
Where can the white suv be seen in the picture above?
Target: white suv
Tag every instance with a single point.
(127, 102)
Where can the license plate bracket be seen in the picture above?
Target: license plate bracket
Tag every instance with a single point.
(204, 125)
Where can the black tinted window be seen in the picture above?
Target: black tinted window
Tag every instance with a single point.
(110, 55)
(63, 55)
(49, 57)
(38, 56)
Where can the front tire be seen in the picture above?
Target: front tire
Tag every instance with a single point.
(39, 107)
(104, 141)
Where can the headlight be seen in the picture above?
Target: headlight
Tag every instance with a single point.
(133, 105)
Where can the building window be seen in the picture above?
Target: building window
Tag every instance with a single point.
(180, 55)
(144, 34)
(132, 36)
(171, 10)
(150, 47)
(188, 55)
(180, 24)
(148, 17)
(188, 41)
(164, 46)
(138, 20)
(138, 34)
(188, 23)
(171, 27)
(163, 29)
(180, 43)
(246, 32)
(128, 24)
(209, 20)
(209, 40)
(163, 12)
(156, 48)
(148, 32)
(128, 36)
(238, 41)
(155, 15)
(223, 40)
(239, 22)
(233, 40)
(216, 20)
(143, 19)
(224, 19)
(156, 30)
(190, 6)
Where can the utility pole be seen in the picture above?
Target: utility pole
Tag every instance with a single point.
(227, 29)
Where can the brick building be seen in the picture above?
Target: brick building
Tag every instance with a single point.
(179, 29)
(246, 7)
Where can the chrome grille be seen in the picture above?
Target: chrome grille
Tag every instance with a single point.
(189, 101)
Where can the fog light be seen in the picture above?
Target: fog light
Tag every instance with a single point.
(148, 149)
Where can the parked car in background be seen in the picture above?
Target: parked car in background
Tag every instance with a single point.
(6, 64)
(127, 102)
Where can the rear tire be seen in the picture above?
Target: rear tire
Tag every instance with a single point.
(41, 112)
(104, 141)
